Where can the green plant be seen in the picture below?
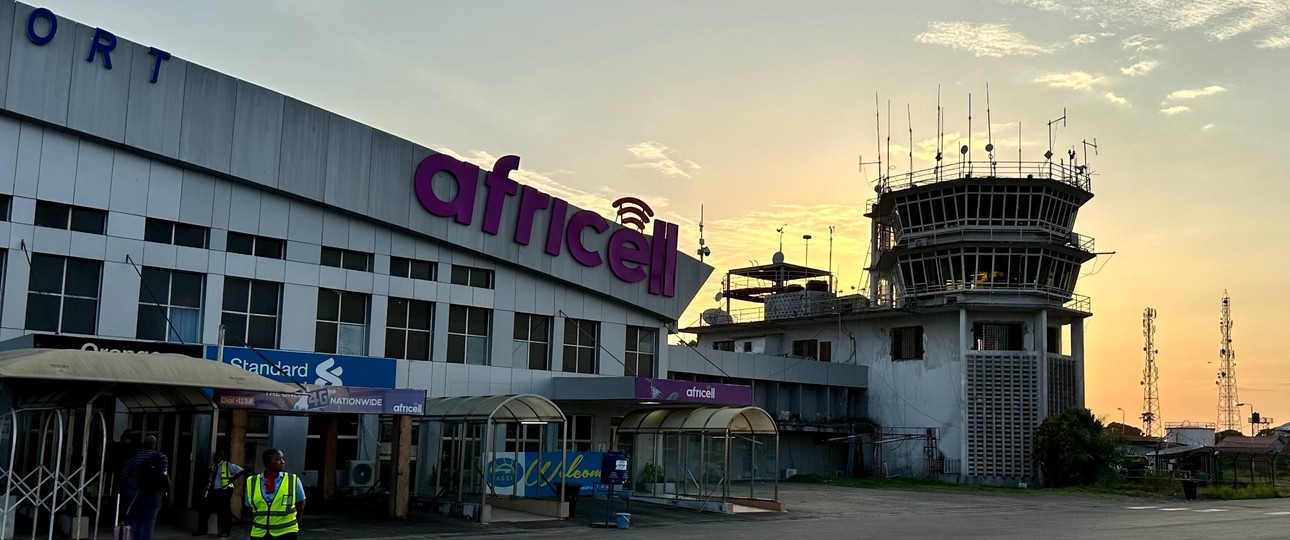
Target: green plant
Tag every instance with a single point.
(652, 474)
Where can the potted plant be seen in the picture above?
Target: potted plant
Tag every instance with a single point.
(654, 481)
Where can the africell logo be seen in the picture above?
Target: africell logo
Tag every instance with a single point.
(631, 255)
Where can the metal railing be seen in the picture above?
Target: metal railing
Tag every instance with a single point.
(1078, 176)
(928, 297)
(961, 230)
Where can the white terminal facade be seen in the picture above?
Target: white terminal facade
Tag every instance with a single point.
(148, 199)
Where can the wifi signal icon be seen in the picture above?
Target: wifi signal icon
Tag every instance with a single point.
(634, 212)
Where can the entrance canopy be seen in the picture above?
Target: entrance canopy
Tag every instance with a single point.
(144, 382)
(509, 409)
(717, 420)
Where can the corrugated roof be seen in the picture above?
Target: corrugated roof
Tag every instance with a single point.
(1237, 444)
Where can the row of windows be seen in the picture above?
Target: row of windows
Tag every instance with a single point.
(988, 267)
(985, 205)
(64, 297)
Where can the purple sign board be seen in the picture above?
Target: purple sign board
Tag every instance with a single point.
(693, 392)
(328, 399)
(632, 257)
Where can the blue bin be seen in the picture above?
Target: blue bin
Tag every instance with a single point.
(624, 520)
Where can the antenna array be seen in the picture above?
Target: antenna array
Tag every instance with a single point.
(1229, 416)
(1150, 376)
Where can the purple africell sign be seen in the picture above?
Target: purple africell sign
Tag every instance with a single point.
(692, 392)
(632, 256)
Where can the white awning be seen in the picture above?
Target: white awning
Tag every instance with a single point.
(143, 382)
(724, 420)
(512, 409)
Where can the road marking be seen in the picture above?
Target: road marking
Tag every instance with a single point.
(1172, 509)
(1213, 510)
(1279, 513)
(1143, 507)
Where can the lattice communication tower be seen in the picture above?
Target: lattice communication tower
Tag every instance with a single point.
(1229, 415)
(1150, 376)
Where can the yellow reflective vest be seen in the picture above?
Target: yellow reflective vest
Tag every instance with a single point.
(274, 518)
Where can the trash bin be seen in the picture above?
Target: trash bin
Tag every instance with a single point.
(1189, 489)
(569, 493)
(624, 520)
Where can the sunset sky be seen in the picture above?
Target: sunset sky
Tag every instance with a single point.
(761, 111)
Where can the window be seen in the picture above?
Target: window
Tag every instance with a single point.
(523, 437)
(407, 329)
(826, 351)
(342, 323)
(580, 432)
(74, 218)
(1055, 339)
(641, 343)
(998, 336)
(344, 258)
(806, 348)
(723, 346)
(748, 346)
(179, 234)
(474, 277)
(251, 309)
(468, 329)
(410, 268)
(170, 306)
(532, 348)
(6, 202)
(580, 345)
(259, 246)
(63, 294)
(907, 343)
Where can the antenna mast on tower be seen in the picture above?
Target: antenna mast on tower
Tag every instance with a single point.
(1150, 376)
(1228, 412)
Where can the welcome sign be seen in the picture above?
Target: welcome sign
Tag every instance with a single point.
(536, 474)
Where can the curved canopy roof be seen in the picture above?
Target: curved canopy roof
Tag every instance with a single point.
(499, 409)
(144, 382)
(724, 420)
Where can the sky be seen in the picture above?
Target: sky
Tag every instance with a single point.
(762, 112)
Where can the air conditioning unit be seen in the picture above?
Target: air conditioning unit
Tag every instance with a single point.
(789, 473)
(784, 416)
(361, 473)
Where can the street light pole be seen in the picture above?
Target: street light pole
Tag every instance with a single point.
(1251, 417)
(1121, 409)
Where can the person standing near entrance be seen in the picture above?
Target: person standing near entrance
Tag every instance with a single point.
(147, 479)
(276, 499)
(219, 494)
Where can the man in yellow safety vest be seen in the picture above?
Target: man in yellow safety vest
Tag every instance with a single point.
(276, 499)
(222, 477)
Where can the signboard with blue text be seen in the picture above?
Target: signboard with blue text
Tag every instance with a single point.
(311, 368)
(533, 474)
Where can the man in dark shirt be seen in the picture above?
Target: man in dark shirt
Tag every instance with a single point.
(146, 482)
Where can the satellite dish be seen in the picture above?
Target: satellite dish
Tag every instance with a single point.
(963, 150)
(989, 147)
(777, 258)
(1048, 155)
(718, 296)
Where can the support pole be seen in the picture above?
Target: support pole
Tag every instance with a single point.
(400, 460)
(329, 458)
(237, 454)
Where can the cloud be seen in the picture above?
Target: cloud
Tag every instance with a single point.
(1217, 20)
(1083, 39)
(1139, 43)
(1116, 99)
(1207, 127)
(1075, 80)
(1174, 110)
(658, 156)
(982, 39)
(1274, 42)
(1195, 93)
(1140, 68)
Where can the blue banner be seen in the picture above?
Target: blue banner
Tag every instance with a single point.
(311, 368)
(538, 474)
